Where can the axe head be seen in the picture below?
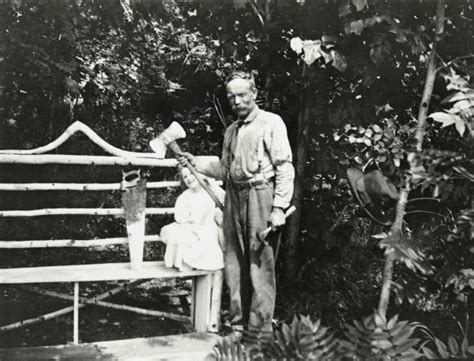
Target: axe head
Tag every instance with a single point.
(160, 144)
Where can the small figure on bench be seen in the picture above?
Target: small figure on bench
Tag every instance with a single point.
(192, 241)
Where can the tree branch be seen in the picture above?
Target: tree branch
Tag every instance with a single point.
(430, 77)
(455, 60)
(396, 229)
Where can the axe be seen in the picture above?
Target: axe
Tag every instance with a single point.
(263, 234)
(167, 140)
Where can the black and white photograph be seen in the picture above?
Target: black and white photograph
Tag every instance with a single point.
(236, 180)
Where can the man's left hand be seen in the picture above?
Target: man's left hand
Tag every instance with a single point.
(277, 218)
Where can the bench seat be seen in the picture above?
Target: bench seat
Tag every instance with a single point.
(92, 273)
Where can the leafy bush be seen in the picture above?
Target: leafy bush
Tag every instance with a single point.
(375, 338)
(301, 340)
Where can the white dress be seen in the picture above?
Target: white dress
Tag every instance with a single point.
(193, 240)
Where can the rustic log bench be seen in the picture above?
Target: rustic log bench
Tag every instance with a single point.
(76, 273)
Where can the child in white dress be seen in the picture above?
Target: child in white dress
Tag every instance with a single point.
(195, 239)
(192, 241)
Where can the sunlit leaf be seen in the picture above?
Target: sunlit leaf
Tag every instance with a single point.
(382, 344)
(312, 51)
(392, 322)
(296, 45)
(460, 126)
(338, 61)
(360, 4)
(444, 118)
(356, 27)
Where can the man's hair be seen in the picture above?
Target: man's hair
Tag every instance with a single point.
(245, 75)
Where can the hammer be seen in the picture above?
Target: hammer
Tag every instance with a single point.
(263, 234)
(167, 140)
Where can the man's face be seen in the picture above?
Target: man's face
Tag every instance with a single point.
(241, 97)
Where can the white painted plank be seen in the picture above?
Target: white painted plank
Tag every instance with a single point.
(76, 314)
(78, 211)
(91, 273)
(79, 186)
(55, 243)
(202, 288)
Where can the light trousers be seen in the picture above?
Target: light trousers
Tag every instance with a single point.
(249, 264)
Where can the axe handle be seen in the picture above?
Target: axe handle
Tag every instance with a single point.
(263, 234)
(177, 150)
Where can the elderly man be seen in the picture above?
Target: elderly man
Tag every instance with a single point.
(257, 165)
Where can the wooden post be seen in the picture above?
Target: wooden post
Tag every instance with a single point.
(76, 314)
(215, 311)
(202, 288)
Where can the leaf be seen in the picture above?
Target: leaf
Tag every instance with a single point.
(463, 105)
(402, 337)
(380, 320)
(356, 27)
(345, 9)
(327, 57)
(453, 345)
(286, 333)
(464, 345)
(382, 235)
(444, 118)
(380, 51)
(296, 44)
(329, 39)
(460, 125)
(429, 353)
(382, 344)
(442, 349)
(407, 345)
(312, 51)
(469, 95)
(392, 321)
(72, 85)
(338, 61)
(377, 137)
(360, 4)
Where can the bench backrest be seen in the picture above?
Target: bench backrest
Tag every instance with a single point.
(118, 157)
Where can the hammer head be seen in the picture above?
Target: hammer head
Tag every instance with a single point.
(160, 144)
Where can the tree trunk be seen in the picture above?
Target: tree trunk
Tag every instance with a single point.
(430, 77)
(293, 227)
(395, 231)
(396, 228)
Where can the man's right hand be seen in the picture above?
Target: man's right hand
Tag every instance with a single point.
(185, 158)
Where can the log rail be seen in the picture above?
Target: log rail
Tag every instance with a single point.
(202, 280)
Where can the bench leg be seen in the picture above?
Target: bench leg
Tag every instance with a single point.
(214, 318)
(202, 288)
(76, 314)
